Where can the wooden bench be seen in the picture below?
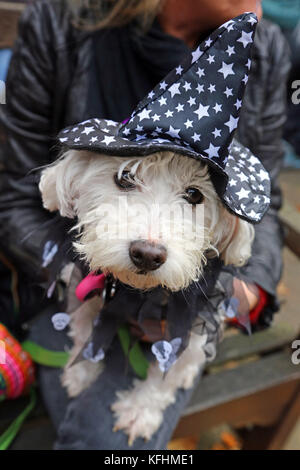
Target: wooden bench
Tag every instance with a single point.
(252, 382)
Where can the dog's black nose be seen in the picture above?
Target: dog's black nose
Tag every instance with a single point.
(147, 256)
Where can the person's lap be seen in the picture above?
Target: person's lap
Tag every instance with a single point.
(86, 422)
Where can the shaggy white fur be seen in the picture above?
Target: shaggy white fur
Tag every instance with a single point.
(153, 207)
(82, 184)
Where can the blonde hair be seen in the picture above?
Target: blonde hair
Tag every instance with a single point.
(91, 15)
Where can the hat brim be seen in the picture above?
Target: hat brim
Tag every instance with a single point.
(243, 185)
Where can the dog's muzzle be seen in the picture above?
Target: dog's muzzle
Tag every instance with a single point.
(147, 256)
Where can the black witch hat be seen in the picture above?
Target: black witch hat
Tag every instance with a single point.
(194, 111)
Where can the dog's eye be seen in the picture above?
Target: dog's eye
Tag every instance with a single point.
(193, 196)
(125, 182)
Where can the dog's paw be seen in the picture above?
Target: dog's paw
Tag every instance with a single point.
(186, 379)
(135, 418)
(80, 376)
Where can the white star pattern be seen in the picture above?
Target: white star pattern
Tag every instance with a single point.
(228, 92)
(88, 130)
(108, 140)
(196, 55)
(109, 122)
(226, 69)
(252, 160)
(200, 72)
(232, 123)
(174, 132)
(192, 101)
(230, 50)
(242, 177)
(202, 111)
(156, 117)
(196, 137)
(228, 25)
(179, 107)
(145, 114)
(256, 199)
(188, 123)
(238, 104)
(263, 175)
(212, 151)
(140, 137)
(245, 39)
(217, 133)
(243, 194)
(252, 20)
(209, 84)
(162, 101)
(169, 113)
(218, 108)
(174, 89)
(187, 86)
(179, 70)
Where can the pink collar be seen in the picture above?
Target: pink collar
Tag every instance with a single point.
(89, 283)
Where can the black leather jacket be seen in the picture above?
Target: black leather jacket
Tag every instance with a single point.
(47, 90)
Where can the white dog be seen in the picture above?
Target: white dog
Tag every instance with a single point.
(174, 221)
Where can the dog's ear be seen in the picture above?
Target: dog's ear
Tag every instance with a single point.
(59, 184)
(235, 247)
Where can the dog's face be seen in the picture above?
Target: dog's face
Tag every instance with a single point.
(147, 220)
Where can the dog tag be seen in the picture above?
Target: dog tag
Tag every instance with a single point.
(162, 350)
(165, 352)
(60, 321)
(88, 354)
